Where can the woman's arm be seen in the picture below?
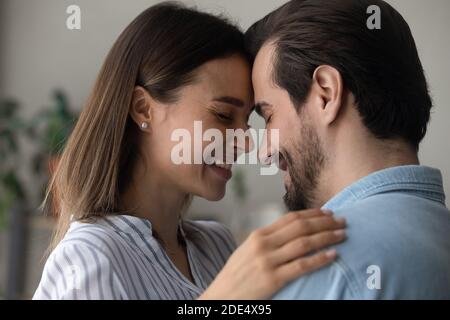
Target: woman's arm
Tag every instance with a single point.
(274, 255)
(76, 271)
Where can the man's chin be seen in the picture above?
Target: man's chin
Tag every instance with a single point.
(294, 202)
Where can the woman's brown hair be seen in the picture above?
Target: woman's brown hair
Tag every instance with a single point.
(160, 51)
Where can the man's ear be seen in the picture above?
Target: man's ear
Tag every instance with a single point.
(140, 109)
(328, 85)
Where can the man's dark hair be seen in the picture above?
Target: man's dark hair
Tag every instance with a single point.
(381, 67)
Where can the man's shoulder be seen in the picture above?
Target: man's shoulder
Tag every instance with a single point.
(334, 282)
(399, 238)
(394, 221)
(392, 202)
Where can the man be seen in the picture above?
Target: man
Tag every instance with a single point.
(351, 104)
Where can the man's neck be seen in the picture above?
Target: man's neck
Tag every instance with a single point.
(348, 165)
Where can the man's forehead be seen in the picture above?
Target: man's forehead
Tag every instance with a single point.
(262, 79)
(263, 61)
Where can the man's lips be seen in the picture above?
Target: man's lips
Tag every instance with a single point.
(282, 164)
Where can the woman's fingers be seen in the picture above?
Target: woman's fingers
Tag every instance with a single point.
(272, 256)
(305, 245)
(293, 216)
(301, 266)
(304, 227)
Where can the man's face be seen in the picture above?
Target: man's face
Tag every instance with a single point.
(300, 150)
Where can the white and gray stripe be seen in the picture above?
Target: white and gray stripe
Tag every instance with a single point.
(118, 258)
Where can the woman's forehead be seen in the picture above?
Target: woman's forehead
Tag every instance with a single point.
(227, 77)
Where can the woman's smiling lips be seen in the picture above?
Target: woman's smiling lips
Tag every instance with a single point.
(222, 170)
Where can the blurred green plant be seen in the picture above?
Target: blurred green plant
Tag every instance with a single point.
(11, 126)
(49, 130)
(239, 185)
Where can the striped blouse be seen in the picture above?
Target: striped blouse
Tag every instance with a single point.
(118, 258)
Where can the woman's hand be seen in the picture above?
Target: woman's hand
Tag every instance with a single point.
(274, 255)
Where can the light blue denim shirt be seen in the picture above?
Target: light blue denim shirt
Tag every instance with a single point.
(398, 241)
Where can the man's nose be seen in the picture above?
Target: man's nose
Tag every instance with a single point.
(269, 147)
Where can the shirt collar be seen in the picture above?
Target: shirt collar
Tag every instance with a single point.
(136, 227)
(422, 181)
(139, 231)
(130, 225)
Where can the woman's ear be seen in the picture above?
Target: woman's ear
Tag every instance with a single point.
(329, 85)
(140, 109)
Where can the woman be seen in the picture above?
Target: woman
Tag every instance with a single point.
(121, 234)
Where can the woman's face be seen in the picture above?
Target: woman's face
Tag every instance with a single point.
(220, 98)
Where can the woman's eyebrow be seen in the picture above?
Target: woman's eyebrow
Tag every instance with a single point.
(230, 100)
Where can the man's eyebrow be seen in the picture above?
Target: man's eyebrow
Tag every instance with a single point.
(230, 100)
(259, 105)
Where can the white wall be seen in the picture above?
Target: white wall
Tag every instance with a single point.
(430, 24)
(38, 53)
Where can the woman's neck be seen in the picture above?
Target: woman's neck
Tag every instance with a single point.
(157, 201)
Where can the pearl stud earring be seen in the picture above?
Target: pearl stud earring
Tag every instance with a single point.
(144, 125)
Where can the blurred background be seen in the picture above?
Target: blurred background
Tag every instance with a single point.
(47, 71)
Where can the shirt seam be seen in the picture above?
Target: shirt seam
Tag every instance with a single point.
(348, 276)
(384, 187)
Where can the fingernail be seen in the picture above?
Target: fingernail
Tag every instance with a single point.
(341, 220)
(331, 253)
(327, 211)
(339, 233)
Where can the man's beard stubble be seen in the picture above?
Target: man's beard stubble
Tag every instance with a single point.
(304, 164)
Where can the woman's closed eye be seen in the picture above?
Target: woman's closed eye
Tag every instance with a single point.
(223, 116)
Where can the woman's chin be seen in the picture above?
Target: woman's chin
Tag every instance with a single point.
(213, 195)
